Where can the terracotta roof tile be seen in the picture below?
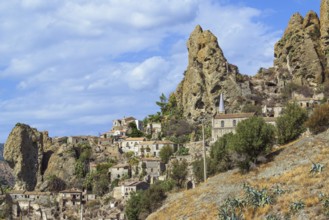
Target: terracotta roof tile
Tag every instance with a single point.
(234, 115)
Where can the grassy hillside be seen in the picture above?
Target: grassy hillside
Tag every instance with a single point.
(291, 189)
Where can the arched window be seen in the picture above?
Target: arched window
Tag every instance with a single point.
(234, 123)
(222, 124)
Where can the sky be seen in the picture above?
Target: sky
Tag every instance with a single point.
(71, 67)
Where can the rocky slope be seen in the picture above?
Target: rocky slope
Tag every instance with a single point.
(6, 175)
(288, 169)
(301, 57)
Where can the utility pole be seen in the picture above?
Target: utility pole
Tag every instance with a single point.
(81, 214)
(204, 156)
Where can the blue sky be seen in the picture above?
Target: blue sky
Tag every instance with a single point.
(71, 67)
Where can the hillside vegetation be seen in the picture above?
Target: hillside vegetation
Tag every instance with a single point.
(294, 184)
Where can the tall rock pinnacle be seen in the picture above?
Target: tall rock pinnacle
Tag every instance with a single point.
(207, 76)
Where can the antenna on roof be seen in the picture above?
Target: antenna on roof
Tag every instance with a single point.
(221, 105)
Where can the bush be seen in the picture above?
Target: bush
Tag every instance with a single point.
(253, 137)
(165, 153)
(142, 203)
(179, 172)
(198, 168)
(56, 184)
(291, 124)
(183, 151)
(319, 120)
(220, 155)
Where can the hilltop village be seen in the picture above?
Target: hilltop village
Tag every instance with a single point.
(219, 132)
(128, 163)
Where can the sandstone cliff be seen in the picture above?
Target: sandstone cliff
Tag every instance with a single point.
(208, 74)
(33, 158)
(24, 153)
(299, 56)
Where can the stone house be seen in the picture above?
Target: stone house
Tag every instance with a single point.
(120, 170)
(153, 128)
(226, 123)
(307, 102)
(76, 140)
(31, 202)
(272, 111)
(152, 148)
(153, 167)
(132, 144)
(72, 197)
(128, 187)
(223, 123)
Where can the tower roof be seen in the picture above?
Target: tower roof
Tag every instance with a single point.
(221, 104)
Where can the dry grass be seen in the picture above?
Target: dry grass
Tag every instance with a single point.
(295, 179)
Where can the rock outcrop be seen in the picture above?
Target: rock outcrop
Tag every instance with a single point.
(299, 55)
(24, 153)
(208, 74)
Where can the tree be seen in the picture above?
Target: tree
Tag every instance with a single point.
(220, 153)
(199, 171)
(133, 207)
(179, 172)
(163, 104)
(253, 137)
(56, 184)
(291, 123)
(133, 131)
(182, 151)
(319, 120)
(165, 153)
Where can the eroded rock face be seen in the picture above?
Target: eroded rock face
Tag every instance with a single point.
(299, 55)
(61, 163)
(208, 74)
(24, 153)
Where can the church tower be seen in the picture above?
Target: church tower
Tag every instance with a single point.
(221, 109)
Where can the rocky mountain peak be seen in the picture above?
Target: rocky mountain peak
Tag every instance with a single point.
(295, 23)
(299, 57)
(208, 74)
(203, 44)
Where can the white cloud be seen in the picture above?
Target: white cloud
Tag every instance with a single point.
(72, 66)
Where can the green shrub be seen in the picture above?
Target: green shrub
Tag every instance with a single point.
(291, 123)
(257, 198)
(165, 153)
(178, 172)
(253, 137)
(56, 184)
(319, 120)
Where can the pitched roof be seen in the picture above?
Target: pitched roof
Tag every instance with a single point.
(151, 159)
(134, 183)
(136, 139)
(234, 115)
(71, 191)
(121, 166)
(147, 142)
(164, 142)
(130, 118)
